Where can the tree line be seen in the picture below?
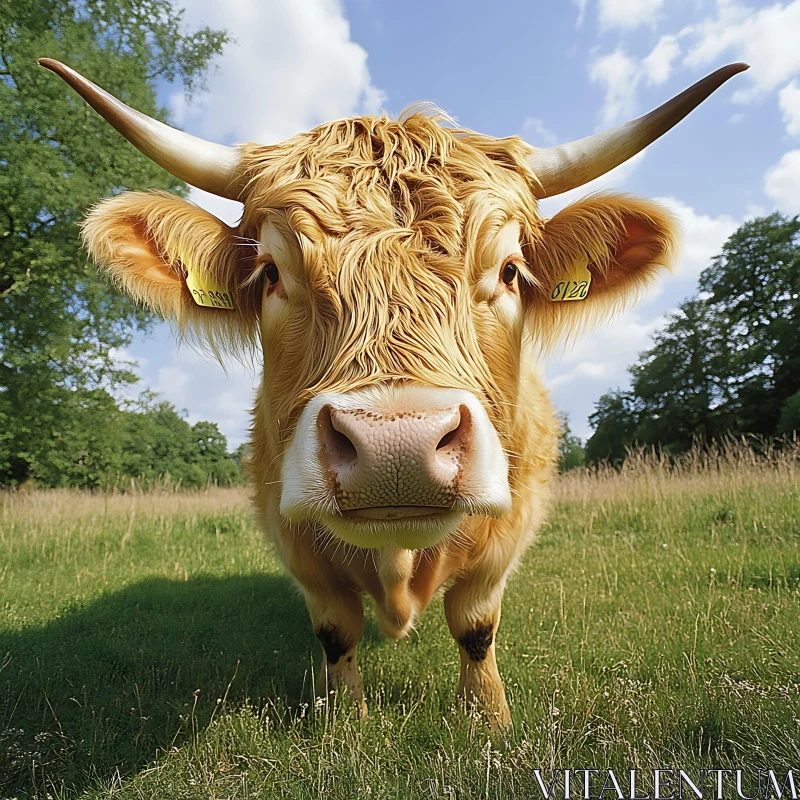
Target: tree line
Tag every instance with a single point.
(727, 360)
(60, 421)
(107, 445)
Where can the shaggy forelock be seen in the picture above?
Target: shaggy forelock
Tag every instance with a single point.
(365, 176)
(392, 217)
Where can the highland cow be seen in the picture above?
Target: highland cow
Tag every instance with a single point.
(399, 284)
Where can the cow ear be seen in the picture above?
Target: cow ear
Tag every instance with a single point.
(167, 254)
(623, 241)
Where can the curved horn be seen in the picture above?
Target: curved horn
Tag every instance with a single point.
(208, 166)
(567, 166)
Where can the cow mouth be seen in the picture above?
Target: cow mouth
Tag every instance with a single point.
(409, 527)
(389, 513)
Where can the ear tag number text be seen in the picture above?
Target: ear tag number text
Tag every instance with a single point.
(574, 285)
(208, 292)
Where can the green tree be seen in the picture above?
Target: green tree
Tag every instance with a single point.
(790, 415)
(753, 290)
(240, 455)
(675, 382)
(614, 420)
(157, 441)
(58, 319)
(570, 448)
(211, 448)
(727, 361)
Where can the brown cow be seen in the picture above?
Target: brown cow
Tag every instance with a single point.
(400, 284)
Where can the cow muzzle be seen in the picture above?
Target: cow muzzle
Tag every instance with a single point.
(396, 465)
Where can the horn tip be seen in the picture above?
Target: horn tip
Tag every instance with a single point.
(49, 63)
(739, 66)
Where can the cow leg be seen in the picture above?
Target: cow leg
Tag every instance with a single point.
(473, 614)
(396, 613)
(338, 619)
(337, 614)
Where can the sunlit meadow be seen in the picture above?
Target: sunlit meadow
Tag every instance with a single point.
(151, 646)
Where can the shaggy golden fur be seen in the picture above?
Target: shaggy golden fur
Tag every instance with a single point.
(394, 221)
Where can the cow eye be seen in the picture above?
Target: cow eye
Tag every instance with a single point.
(271, 271)
(509, 273)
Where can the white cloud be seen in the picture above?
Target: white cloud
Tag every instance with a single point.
(658, 65)
(627, 15)
(767, 39)
(755, 210)
(782, 183)
(608, 351)
(702, 237)
(537, 133)
(621, 74)
(585, 369)
(292, 66)
(789, 101)
(265, 89)
(578, 376)
(190, 381)
(173, 384)
(581, 11)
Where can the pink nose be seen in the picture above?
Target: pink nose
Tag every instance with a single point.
(399, 460)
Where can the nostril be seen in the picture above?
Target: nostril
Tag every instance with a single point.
(445, 441)
(340, 451)
(457, 436)
(343, 447)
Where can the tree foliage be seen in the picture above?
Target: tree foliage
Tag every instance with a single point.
(158, 442)
(570, 448)
(726, 362)
(753, 289)
(614, 421)
(59, 321)
(149, 442)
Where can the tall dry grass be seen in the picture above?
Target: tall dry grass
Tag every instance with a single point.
(646, 474)
(49, 506)
(726, 465)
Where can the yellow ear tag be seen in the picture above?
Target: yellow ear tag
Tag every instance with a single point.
(574, 285)
(208, 292)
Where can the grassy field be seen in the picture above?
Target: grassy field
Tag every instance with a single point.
(152, 647)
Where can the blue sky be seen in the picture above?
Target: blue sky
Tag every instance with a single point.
(547, 71)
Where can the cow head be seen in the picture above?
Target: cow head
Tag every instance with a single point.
(392, 273)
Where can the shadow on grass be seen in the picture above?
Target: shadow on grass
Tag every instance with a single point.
(113, 682)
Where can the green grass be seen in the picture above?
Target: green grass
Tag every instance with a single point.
(152, 647)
